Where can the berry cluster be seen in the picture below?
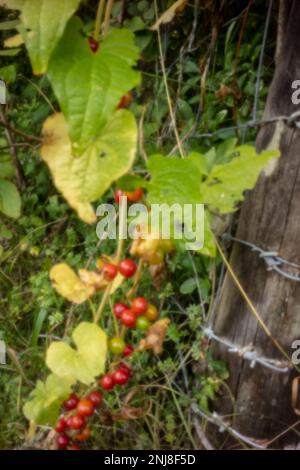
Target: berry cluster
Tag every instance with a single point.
(139, 314)
(72, 427)
(120, 377)
(126, 267)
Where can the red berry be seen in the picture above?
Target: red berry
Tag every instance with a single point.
(125, 368)
(69, 421)
(94, 45)
(110, 271)
(61, 425)
(135, 195)
(74, 447)
(125, 101)
(96, 398)
(77, 422)
(71, 402)
(119, 309)
(62, 441)
(85, 407)
(139, 305)
(127, 267)
(107, 382)
(128, 350)
(128, 318)
(118, 194)
(121, 377)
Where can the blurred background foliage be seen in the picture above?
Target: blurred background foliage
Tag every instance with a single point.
(211, 54)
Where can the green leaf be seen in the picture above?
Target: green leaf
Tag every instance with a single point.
(6, 167)
(10, 201)
(188, 286)
(7, 25)
(84, 363)
(209, 248)
(89, 85)
(45, 401)
(10, 52)
(178, 181)
(8, 73)
(131, 182)
(42, 25)
(226, 183)
(174, 180)
(84, 179)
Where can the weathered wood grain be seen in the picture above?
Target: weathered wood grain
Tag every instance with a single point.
(270, 218)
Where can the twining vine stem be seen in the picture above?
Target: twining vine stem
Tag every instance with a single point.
(98, 21)
(105, 297)
(107, 15)
(172, 115)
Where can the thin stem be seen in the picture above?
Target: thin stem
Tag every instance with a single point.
(92, 307)
(122, 222)
(136, 280)
(98, 21)
(107, 17)
(13, 152)
(173, 119)
(22, 134)
(104, 299)
(115, 321)
(186, 426)
(14, 358)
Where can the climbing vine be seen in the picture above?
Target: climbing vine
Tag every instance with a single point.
(89, 145)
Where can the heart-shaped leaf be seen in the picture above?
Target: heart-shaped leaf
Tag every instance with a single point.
(83, 363)
(45, 400)
(90, 85)
(84, 179)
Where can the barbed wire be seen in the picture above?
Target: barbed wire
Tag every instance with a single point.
(218, 420)
(248, 353)
(293, 120)
(271, 258)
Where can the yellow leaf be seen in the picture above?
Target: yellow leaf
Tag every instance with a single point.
(84, 179)
(56, 152)
(66, 282)
(169, 14)
(86, 361)
(14, 41)
(17, 40)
